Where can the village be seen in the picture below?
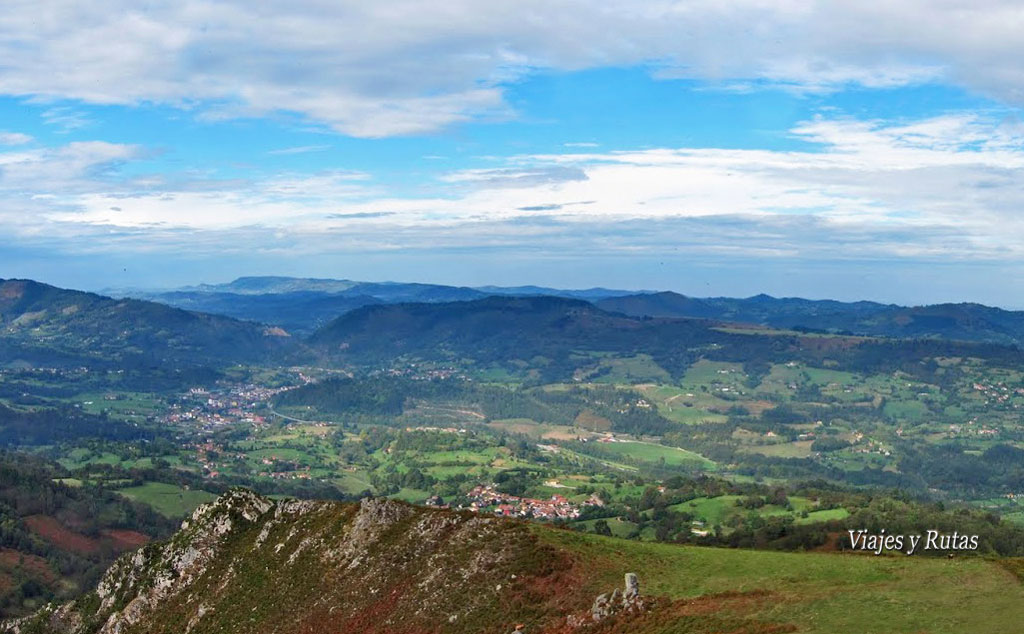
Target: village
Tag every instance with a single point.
(485, 497)
(210, 408)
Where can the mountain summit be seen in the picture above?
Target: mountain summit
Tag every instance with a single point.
(246, 563)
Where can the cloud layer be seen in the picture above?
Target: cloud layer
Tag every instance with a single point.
(947, 188)
(409, 66)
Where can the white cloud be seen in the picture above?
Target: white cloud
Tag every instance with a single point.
(66, 119)
(948, 187)
(77, 167)
(14, 138)
(411, 66)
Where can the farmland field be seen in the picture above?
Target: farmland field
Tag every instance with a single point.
(168, 499)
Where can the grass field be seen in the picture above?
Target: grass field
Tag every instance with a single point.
(687, 405)
(618, 526)
(798, 449)
(167, 499)
(637, 369)
(650, 452)
(823, 516)
(715, 510)
(353, 482)
(761, 591)
(711, 510)
(1017, 517)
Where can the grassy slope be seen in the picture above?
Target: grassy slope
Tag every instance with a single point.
(816, 592)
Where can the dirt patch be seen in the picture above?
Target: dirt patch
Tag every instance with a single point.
(734, 602)
(60, 536)
(589, 420)
(1015, 565)
(12, 290)
(756, 407)
(126, 540)
(34, 565)
(556, 434)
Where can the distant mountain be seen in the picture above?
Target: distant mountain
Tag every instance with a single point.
(391, 292)
(298, 312)
(589, 294)
(46, 325)
(966, 322)
(301, 305)
(664, 304)
(493, 327)
(553, 338)
(259, 285)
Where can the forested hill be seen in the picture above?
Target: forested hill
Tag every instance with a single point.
(965, 322)
(499, 329)
(45, 325)
(557, 336)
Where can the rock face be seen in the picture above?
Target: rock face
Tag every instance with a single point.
(628, 601)
(248, 564)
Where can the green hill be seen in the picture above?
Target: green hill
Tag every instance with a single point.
(557, 336)
(248, 564)
(964, 321)
(45, 325)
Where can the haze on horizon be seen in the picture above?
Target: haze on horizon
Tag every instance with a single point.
(824, 150)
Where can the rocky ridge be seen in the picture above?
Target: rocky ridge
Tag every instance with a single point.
(246, 563)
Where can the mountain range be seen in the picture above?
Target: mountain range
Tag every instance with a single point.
(302, 305)
(41, 325)
(965, 321)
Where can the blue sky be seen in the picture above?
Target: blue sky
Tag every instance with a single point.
(821, 150)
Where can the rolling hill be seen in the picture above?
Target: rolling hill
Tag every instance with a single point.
(964, 322)
(489, 329)
(301, 305)
(45, 325)
(557, 336)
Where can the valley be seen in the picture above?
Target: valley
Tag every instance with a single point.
(650, 430)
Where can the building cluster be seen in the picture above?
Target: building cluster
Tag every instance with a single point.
(971, 428)
(485, 498)
(998, 393)
(425, 372)
(211, 408)
(440, 430)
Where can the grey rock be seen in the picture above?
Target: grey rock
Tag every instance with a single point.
(632, 586)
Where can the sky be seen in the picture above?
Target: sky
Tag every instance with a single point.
(796, 148)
